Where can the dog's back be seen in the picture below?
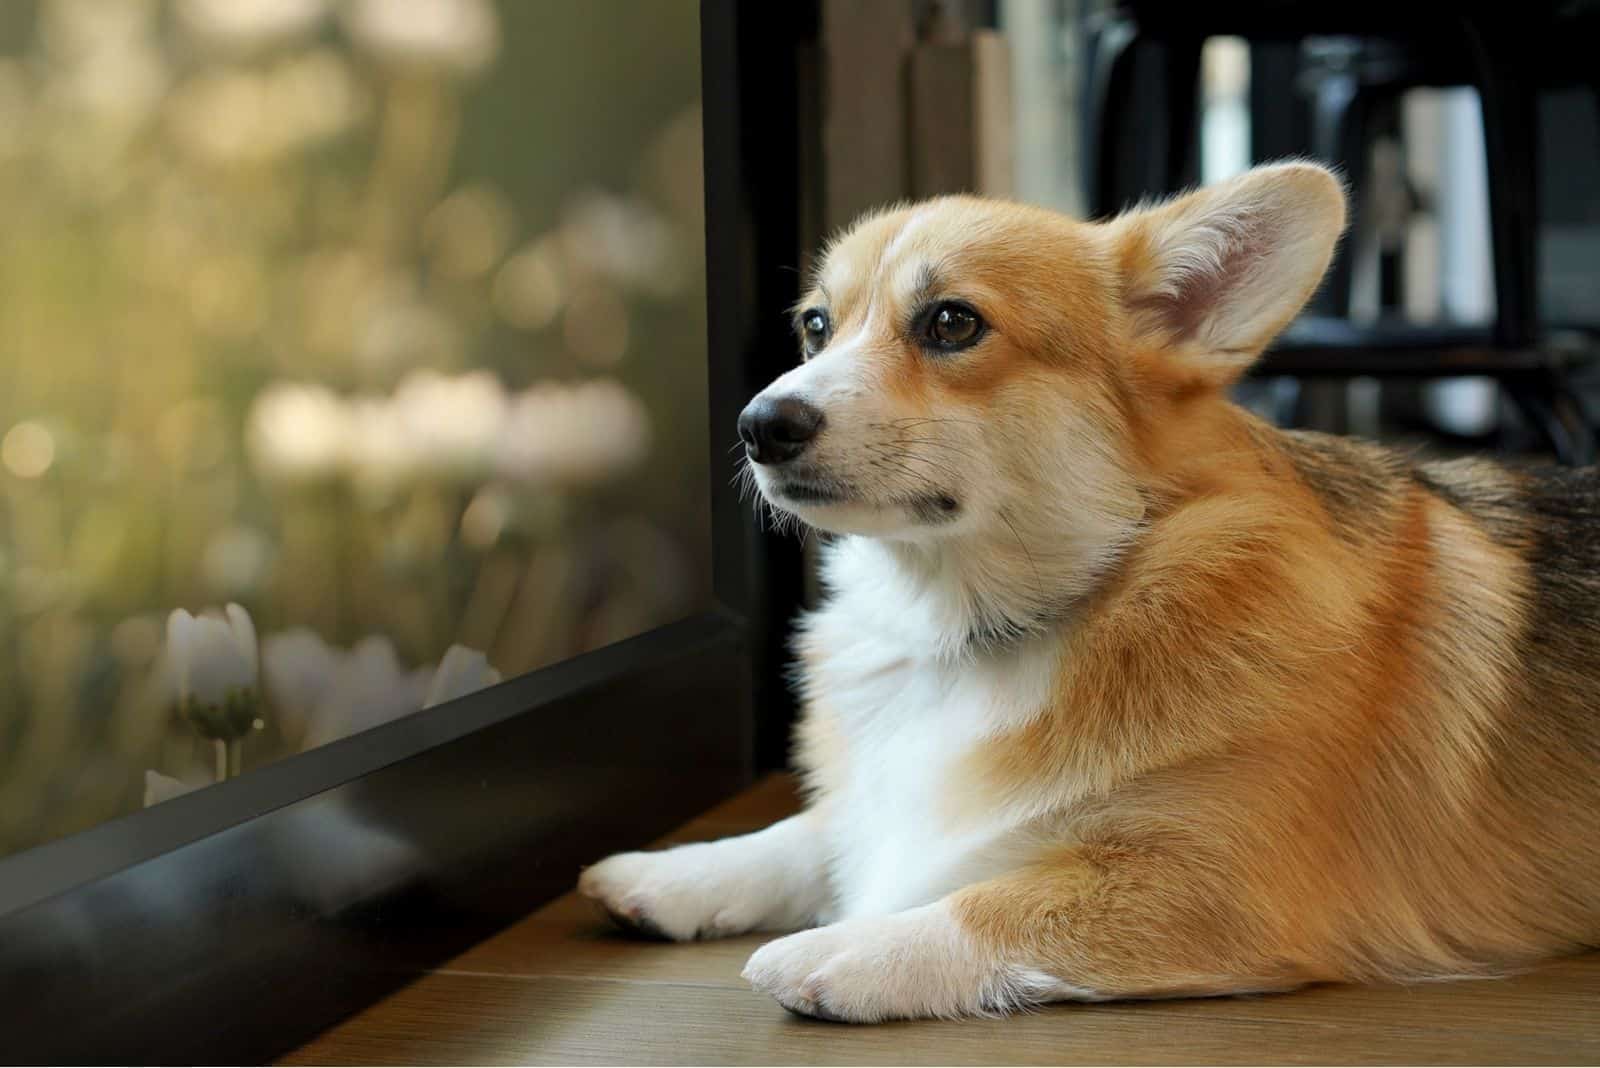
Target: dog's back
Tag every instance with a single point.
(1447, 755)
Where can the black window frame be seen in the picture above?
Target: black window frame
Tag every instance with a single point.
(236, 923)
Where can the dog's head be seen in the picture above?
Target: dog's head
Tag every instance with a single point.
(971, 366)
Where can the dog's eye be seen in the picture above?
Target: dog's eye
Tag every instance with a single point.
(954, 326)
(814, 330)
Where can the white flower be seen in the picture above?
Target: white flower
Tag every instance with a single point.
(213, 654)
(213, 668)
(323, 693)
(573, 434)
(455, 36)
(380, 454)
(159, 788)
(298, 432)
(451, 422)
(443, 426)
(462, 671)
(621, 238)
(298, 668)
(249, 24)
(369, 688)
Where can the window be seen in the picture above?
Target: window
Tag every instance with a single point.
(382, 321)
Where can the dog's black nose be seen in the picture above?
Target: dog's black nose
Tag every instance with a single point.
(774, 431)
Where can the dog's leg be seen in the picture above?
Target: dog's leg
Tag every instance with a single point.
(772, 880)
(1077, 928)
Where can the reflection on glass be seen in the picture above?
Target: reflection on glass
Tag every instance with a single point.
(351, 360)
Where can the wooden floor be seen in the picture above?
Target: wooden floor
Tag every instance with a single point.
(560, 987)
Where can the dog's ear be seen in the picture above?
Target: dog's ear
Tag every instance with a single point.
(1218, 273)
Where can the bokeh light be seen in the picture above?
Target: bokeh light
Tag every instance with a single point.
(28, 450)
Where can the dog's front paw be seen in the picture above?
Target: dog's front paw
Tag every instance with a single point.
(907, 965)
(676, 895)
(802, 971)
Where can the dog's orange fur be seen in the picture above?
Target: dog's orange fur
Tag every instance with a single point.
(1271, 720)
(1295, 745)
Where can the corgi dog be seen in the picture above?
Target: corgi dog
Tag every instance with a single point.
(1118, 691)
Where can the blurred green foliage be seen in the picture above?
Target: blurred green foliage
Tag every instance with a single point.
(383, 318)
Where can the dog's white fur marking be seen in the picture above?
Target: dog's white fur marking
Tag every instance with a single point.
(888, 843)
(908, 718)
(772, 880)
(914, 963)
(876, 862)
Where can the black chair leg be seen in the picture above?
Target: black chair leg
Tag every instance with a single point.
(1140, 120)
(1508, 97)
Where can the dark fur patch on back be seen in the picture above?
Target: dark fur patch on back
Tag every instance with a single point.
(1551, 517)
(1547, 515)
(1359, 484)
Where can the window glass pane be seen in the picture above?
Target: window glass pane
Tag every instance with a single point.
(382, 320)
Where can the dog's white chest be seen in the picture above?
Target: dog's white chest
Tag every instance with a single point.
(900, 834)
